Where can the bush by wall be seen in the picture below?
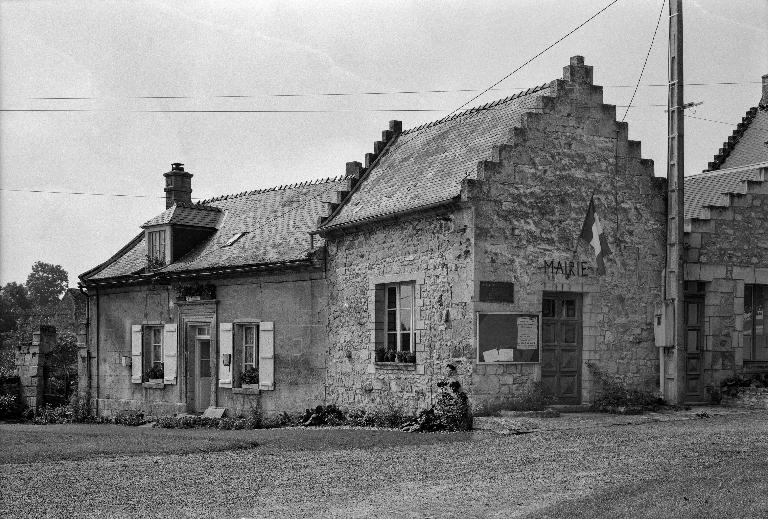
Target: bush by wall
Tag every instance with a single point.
(614, 397)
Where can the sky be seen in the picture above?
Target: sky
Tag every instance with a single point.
(125, 59)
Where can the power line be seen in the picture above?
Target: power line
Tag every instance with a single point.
(537, 55)
(653, 38)
(258, 111)
(382, 93)
(77, 193)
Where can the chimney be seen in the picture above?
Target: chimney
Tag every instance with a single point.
(764, 99)
(577, 71)
(178, 185)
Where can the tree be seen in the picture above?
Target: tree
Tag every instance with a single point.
(46, 283)
(14, 302)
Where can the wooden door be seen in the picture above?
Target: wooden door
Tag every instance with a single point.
(199, 370)
(561, 346)
(694, 347)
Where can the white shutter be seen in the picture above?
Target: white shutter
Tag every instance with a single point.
(170, 346)
(136, 347)
(225, 348)
(266, 355)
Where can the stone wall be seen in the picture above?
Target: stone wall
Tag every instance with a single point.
(726, 250)
(530, 202)
(31, 364)
(432, 250)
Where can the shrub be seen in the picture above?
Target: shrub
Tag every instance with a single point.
(614, 397)
(533, 397)
(53, 415)
(730, 386)
(9, 406)
(323, 415)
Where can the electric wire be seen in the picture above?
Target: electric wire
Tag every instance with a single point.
(582, 24)
(382, 93)
(645, 62)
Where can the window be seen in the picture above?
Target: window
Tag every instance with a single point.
(395, 317)
(153, 352)
(755, 347)
(246, 354)
(156, 246)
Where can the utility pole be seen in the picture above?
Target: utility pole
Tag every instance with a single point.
(674, 360)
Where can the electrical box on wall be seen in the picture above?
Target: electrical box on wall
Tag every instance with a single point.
(664, 324)
(226, 359)
(126, 361)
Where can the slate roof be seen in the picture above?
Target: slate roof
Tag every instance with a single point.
(196, 215)
(711, 188)
(426, 165)
(277, 222)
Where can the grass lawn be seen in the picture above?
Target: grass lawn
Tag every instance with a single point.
(714, 467)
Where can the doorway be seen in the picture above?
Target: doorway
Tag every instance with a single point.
(198, 367)
(561, 331)
(694, 341)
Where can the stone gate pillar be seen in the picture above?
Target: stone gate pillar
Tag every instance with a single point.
(31, 364)
(83, 362)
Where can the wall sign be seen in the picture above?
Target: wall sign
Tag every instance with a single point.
(506, 337)
(567, 268)
(497, 291)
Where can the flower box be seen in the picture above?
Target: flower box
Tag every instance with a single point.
(249, 386)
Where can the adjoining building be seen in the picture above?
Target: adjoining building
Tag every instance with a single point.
(456, 250)
(726, 238)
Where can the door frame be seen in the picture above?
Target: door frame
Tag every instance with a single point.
(190, 362)
(579, 346)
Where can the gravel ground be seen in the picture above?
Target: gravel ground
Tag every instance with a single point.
(694, 467)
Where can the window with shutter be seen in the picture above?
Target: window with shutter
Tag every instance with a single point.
(225, 355)
(170, 346)
(266, 355)
(136, 357)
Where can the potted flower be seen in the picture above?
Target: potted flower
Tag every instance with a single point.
(155, 374)
(390, 356)
(380, 354)
(401, 356)
(249, 378)
(410, 357)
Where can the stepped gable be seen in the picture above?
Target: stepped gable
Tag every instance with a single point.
(276, 222)
(747, 144)
(713, 189)
(426, 165)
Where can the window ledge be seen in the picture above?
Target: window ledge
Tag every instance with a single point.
(245, 391)
(396, 366)
(153, 385)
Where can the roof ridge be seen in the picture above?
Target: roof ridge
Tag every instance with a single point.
(475, 109)
(282, 187)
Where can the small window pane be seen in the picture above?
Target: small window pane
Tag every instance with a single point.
(406, 296)
(548, 308)
(157, 335)
(569, 308)
(693, 314)
(405, 320)
(391, 341)
(249, 354)
(693, 340)
(391, 320)
(157, 353)
(405, 341)
(391, 297)
(249, 335)
(205, 358)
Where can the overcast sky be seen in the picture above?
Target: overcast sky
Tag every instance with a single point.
(116, 54)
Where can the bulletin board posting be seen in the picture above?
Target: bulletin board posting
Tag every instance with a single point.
(506, 337)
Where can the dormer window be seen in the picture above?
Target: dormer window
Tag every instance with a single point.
(156, 246)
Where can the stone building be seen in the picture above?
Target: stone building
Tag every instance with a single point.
(455, 251)
(726, 238)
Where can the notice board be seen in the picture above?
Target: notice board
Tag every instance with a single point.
(508, 337)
